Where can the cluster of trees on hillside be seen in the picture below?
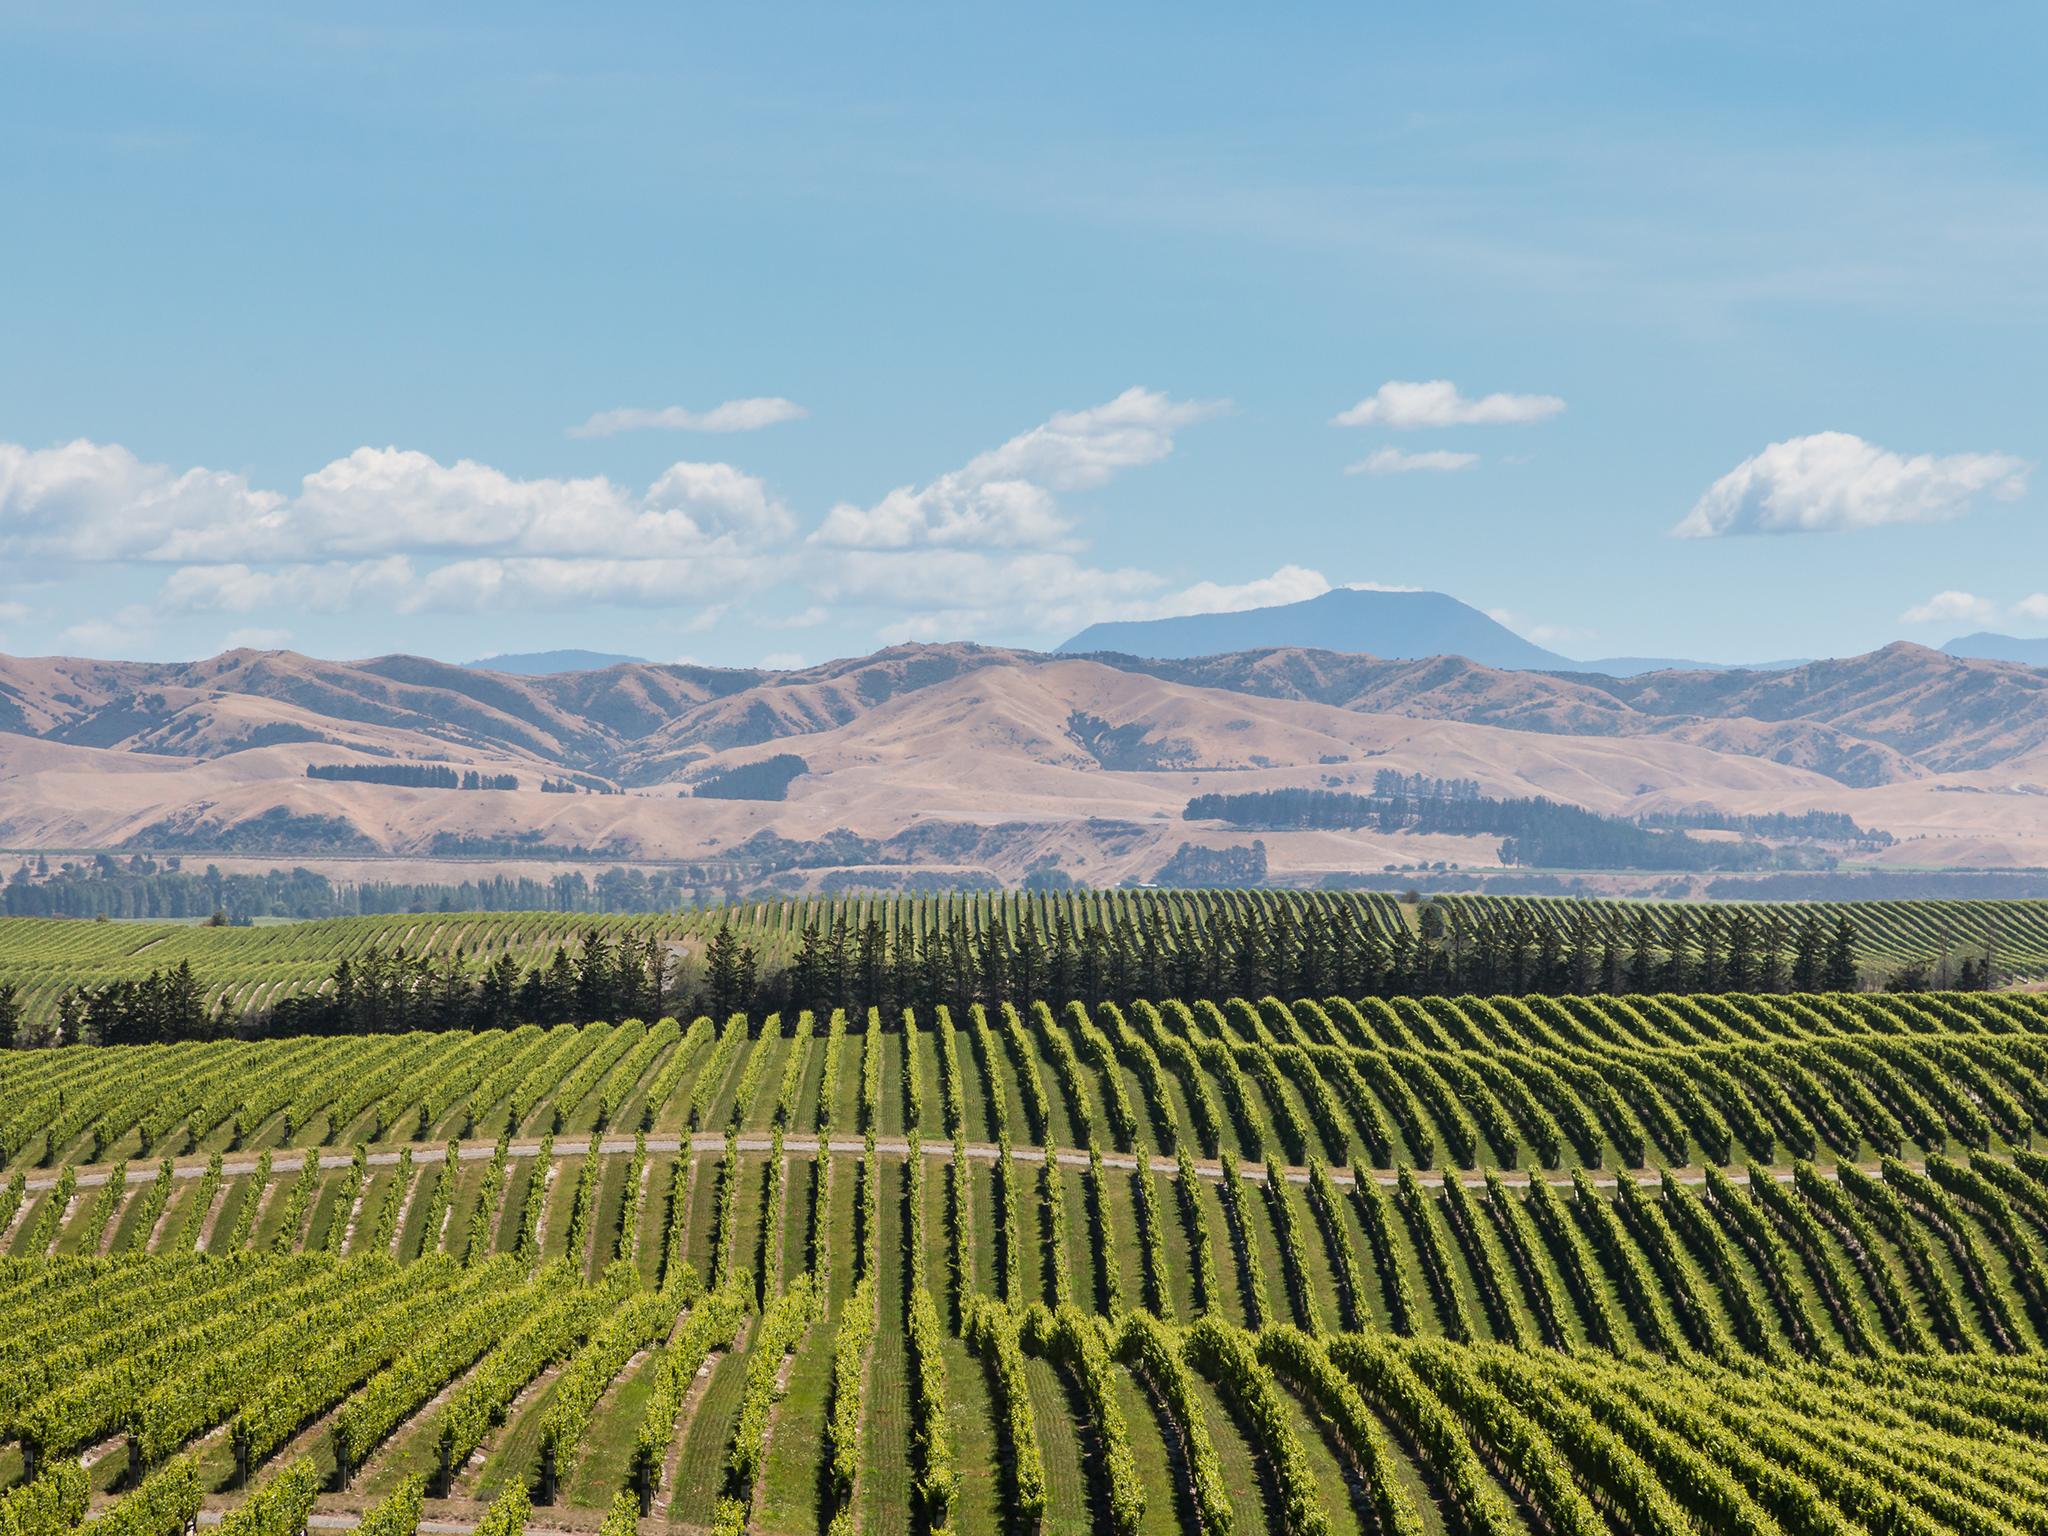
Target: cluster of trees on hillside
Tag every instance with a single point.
(142, 887)
(1535, 832)
(411, 775)
(1816, 826)
(139, 886)
(768, 779)
(1193, 868)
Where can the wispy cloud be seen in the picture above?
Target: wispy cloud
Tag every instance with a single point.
(1288, 584)
(1007, 497)
(1955, 607)
(1952, 606)
(1437, 403)
(748, 415)
(1835, 482)
(1393, 461)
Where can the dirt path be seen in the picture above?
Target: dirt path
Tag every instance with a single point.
(354, 1216)
(107, 1233)
(212, 1218)
(464, 1481)
(896, 1146)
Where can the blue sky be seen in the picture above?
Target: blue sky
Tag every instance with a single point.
(311, 318)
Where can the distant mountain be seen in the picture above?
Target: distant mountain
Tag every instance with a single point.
(923, 753)
(1635, 666)
(1395, 626)
(1984, 646)
(548, 663)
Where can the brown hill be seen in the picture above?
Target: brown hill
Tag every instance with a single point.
(1001, 758)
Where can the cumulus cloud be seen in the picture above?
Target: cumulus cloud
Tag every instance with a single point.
(1393, 461)
(748, 415)
(1006, 498)
(1831, 482)
(2032, 608)
(1437, 403)
(88, 502)
(97, 501)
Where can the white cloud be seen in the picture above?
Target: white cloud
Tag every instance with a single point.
(2033, 608)
(955, 592)
(326, 588)
(1005, 498)
(90, 501)
(1830, 482)
(1437, 403)
(807, 618)
(87, 503)
(258, 639)
(1289, 584)
(748, 415)
(1379, 586)
(13, 613)
(1952, 606)
(1047, 593)
(782, 661)
(1393, 461)
(488, 583)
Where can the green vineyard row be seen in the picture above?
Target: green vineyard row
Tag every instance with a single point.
(723, 1323)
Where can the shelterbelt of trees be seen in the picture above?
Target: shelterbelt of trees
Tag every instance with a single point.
(869, 965)
(78, 981)
(1669, 1263)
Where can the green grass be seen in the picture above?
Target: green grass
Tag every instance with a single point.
(791, 1500)
(1243, 1472)
(1168, 1508)
(606, 1463)
(884, 1493)
(701, 1474)
(1069, 1497)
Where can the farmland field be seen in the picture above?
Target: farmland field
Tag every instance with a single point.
(1505, 1264)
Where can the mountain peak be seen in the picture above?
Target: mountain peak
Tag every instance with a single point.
(549, 663)
(1396, 626)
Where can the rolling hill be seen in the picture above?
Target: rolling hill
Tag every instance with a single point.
(965, 757)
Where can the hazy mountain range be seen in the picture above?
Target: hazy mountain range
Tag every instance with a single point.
(973, 758)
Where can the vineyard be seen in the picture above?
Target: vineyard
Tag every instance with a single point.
(1890, 934)
(247, 969)
(1505, 1264)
